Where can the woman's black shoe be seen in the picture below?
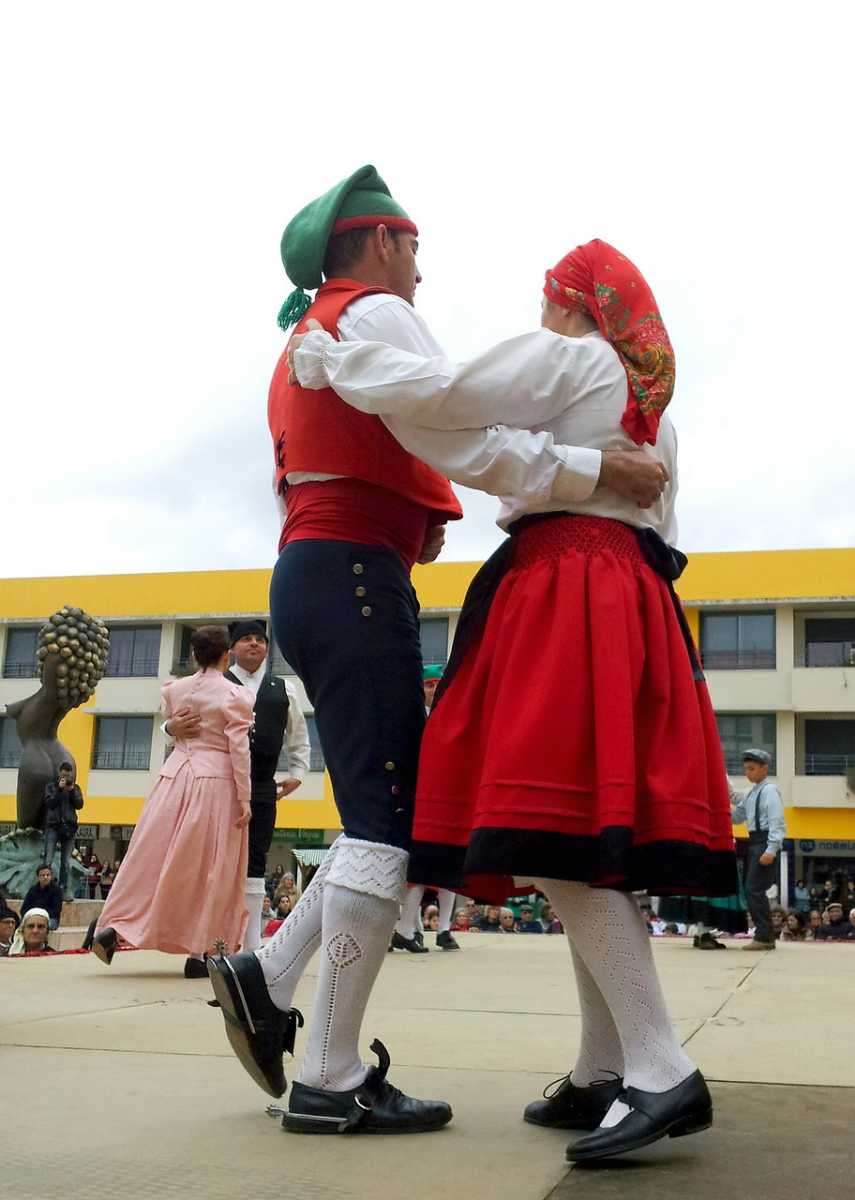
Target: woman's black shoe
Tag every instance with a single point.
(571, 1107)
(684, 1109)
(706, 941)
(196, 968)
(412, 944)
(374, 1107)
(259, 1032)
(104, 945)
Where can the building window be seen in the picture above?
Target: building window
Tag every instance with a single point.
(738, 641)
(279, 664)
(745, 731)
(830, 642)
(433, 632)
(316, 754)
(134, 650)
(829, 747)
(21, 646)
(122, 744)
(10, 745)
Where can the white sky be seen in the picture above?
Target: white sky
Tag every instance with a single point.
(153, 153)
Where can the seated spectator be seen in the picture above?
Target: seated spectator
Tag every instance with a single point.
(507, 924)
(431, 911)
(527, 923)
(489, 923)
(779, 919)
(432, 923)
(460, 924)
(794, 928)
(287, 887)
(283, 906)
(549, 923)
(851, 933)
(836, 928)
(31, 936)
(8, 925)
(266, 911)
(814, 923)
(802, 897)
(45, 893)
(672, 929)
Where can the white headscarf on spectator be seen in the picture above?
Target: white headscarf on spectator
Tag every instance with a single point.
(17, 946)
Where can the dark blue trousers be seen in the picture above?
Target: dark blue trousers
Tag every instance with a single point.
(345, 616)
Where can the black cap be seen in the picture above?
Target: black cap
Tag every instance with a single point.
(242, 629)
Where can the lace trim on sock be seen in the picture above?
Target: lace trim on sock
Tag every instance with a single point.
(371, 868)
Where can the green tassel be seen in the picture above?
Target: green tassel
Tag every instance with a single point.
(294, 309)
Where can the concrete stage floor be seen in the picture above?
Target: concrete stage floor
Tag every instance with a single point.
(121, 1080)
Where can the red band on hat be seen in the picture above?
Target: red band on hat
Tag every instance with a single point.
(367, 222)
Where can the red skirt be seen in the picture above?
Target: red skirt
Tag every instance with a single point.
(574, 740)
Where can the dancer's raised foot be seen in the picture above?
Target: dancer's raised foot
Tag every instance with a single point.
(258, 1031)
(572, 1107)
(373, 1107)
(684, 1109)
(104, 945)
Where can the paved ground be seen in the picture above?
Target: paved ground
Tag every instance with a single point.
(124, 1076)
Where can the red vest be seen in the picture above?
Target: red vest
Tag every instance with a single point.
(316, 432)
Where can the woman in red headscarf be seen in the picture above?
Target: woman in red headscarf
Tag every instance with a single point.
(572, 742)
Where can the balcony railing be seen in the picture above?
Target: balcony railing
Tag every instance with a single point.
(20, 670)
(128, 670)
(829, 764)
(738, 660)
(121, 760)
(735, 764)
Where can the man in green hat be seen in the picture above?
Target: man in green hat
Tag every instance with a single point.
(363, 498)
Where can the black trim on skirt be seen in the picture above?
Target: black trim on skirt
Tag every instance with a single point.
(609, 859)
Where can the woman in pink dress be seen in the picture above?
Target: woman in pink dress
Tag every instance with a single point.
(182, 882)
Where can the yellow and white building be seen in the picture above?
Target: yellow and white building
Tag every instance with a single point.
(776, 631)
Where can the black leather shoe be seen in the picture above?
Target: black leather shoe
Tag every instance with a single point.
(571, 1107)
(412, 944)
(104, 945)
(196, 968)
(445, 941)
(706, 941)
(374, 1107)
(684, 1109)
(259, 1032)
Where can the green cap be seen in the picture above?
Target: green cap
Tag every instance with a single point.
(432, 671)
(359, 202)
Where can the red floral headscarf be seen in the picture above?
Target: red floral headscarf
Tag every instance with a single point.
(599, 280)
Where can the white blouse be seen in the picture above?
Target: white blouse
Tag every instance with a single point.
(573, 389)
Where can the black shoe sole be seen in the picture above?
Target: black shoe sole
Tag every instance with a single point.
(238, 1023)
(680, 1127)
(568, 1124)
(299, 1123)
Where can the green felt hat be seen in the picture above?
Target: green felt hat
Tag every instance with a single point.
(359, 202)
(432, 671)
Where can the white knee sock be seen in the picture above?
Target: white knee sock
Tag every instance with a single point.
(284, 958)
(610, 937)
(408, 922)
(446, 909)
(254, 900)
(360, 907)
(600, 1050)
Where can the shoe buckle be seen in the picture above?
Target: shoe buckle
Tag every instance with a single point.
(359, 1104)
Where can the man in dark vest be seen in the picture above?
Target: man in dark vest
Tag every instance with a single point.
(278, 720)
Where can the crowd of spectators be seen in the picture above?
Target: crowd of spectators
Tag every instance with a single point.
(520, 914)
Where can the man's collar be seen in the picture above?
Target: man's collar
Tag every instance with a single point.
(242, 672)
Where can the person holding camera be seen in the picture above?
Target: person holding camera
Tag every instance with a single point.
(762, 810)
(63, 800)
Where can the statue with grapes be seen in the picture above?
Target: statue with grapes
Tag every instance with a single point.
(72, 657)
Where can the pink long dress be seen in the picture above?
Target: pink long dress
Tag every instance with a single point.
(182, 882)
